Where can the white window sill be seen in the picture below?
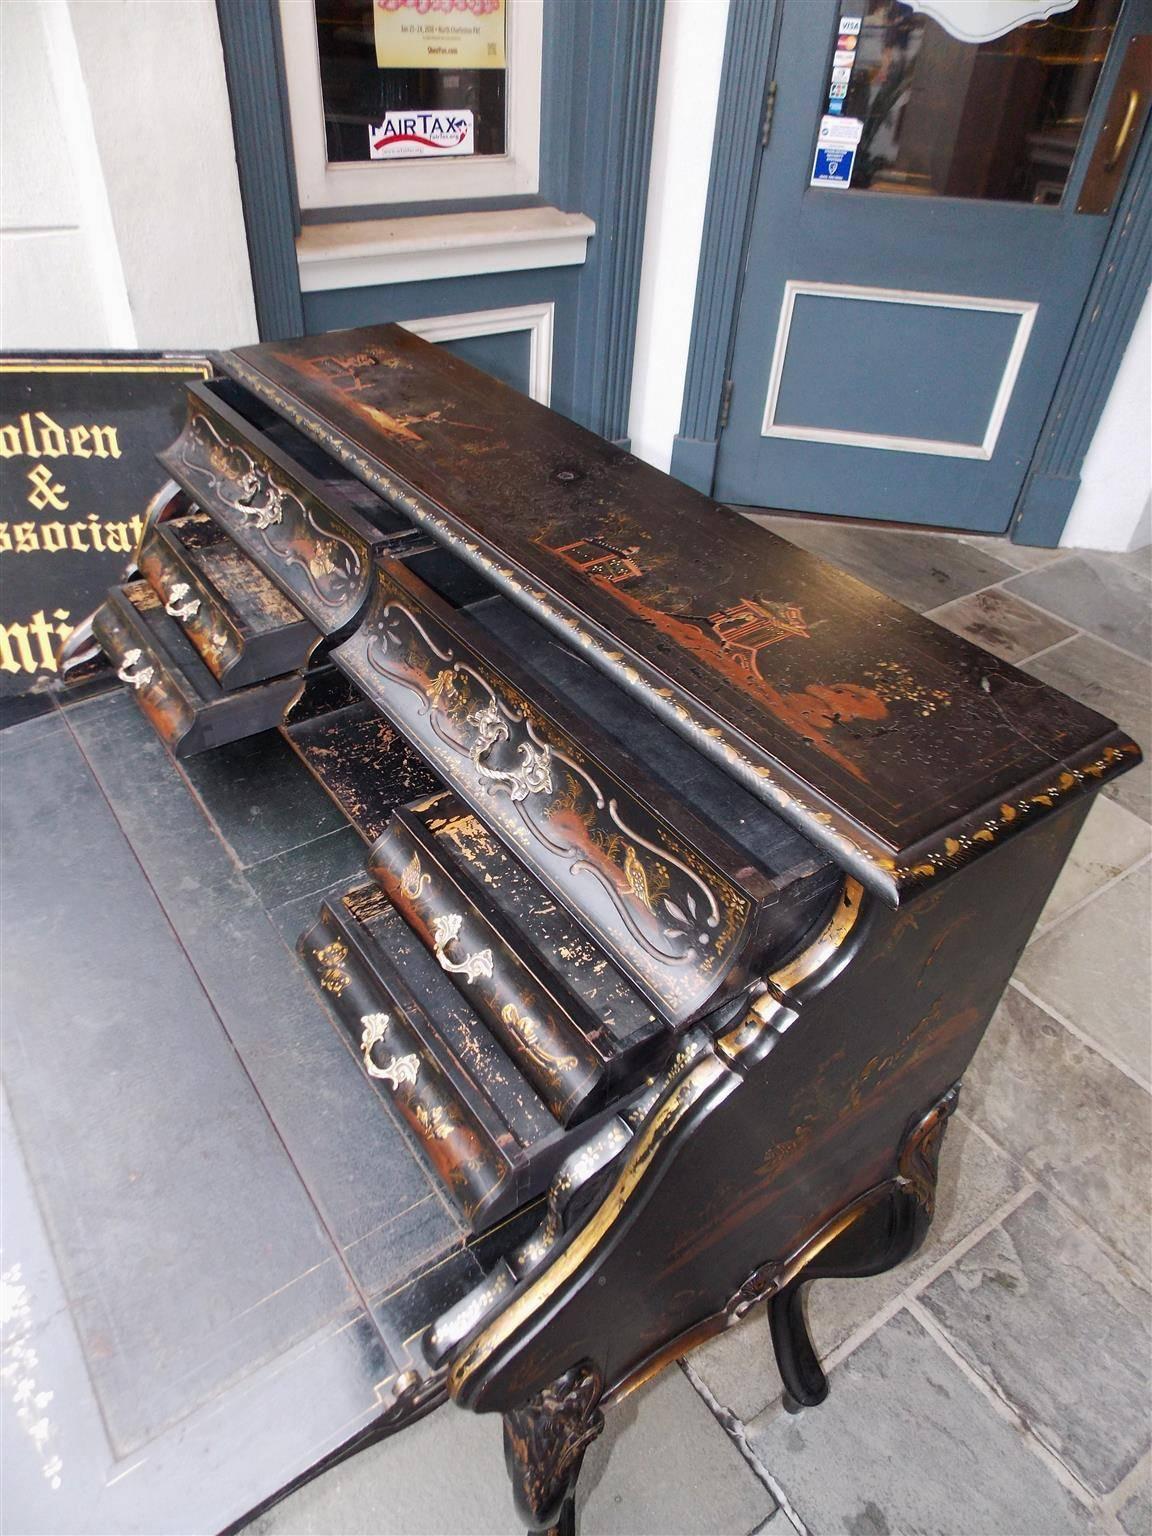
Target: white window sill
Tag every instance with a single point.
(363, 253)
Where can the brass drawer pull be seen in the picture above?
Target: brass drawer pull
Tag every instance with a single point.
(401, 1069)
(175, 609)
(137, 678)
(445, 931)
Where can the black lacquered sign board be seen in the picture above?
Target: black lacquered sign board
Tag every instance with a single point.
(78, 438)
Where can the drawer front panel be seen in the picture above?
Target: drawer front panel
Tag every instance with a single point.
(185, 704)
(669, 918)
(278, 516)
(461, 1151)
(244, 628)
(463, 1032)
(211, 629)
(531, 1022)
(159, 690)
(536, 921)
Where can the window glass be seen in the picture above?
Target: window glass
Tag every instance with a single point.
(938, 117)
(410, 79)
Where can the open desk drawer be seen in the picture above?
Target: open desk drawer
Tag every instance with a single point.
(185, 704)
(243, 627)
(308, 535)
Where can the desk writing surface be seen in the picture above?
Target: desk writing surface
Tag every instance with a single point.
(900, 746)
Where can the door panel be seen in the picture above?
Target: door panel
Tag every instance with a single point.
(899, 340)
(883, 333)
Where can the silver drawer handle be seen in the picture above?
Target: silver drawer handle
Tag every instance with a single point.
(177, 610)
(137, 678)
(401, 1069)
(534, 775)
(263, 517)
(445, 930)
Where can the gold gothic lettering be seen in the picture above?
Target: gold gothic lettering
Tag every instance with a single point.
(53, 538)
(31, 647)
(35, 435)
(45, 491)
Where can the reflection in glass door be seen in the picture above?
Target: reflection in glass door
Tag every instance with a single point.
(944, 117)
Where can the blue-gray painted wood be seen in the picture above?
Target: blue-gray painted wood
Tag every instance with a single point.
(506, 357)
(838, 348)
(596, 136)
(736, 153)
(337, 308)
(968, 247)
(254, 70)
(613, 70)
(1106, 325)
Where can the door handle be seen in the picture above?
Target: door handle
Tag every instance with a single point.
(1127, 108)
(1122, 137)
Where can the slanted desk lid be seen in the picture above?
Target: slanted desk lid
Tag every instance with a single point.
(898, 746)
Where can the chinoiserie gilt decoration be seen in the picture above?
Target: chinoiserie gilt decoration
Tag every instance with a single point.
(688, 894)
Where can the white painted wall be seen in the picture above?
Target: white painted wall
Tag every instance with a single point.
(691, 56)
(59, 270)
(1113, 507)
(120, 217)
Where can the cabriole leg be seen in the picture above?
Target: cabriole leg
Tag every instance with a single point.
(882, 1236)
(544, 1445)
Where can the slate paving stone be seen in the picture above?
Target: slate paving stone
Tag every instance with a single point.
(443, 1474)
(1001, 623)
(310, 868)
(975, 1181)
(261, 796)
(638, 1481)
(1095, 968)
(1109, 600)
(1077, 1124)
(1042, 1311)
(1135, 1514)
(1136, 560)
(923, 570)
(1111, 841)
(663, 1467)
(1120, 688)
(907, 1443)
(1025, 557)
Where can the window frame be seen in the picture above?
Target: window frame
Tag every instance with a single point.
(381, 183)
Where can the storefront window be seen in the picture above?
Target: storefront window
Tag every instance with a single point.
(411, 101)
(938, 116)
(412, 79)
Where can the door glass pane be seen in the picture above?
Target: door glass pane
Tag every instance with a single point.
(939, 117)
(408, 79)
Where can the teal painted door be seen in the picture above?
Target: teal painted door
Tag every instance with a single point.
(903, 322)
